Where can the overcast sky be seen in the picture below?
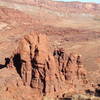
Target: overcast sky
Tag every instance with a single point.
(97, 1)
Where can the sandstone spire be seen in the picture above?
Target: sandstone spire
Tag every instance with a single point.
(51, 75)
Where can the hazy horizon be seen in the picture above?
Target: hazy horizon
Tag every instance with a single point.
(95, 1)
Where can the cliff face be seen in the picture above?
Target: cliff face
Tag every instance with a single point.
(38, 67)
(73, 7)
(50, 75)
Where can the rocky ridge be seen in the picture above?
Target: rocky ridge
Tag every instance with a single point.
(50, 75)
(72, 7)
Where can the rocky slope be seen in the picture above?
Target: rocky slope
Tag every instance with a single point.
(13, 25)
(73, 7)
(12, 88)
(76, 15)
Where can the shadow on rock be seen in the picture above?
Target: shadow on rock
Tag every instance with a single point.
(17, 63)
(2, 66)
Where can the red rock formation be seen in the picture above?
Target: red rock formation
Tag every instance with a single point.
(37, 59)
(40, 70)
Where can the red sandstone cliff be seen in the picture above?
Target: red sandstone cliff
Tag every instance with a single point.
(50, 75)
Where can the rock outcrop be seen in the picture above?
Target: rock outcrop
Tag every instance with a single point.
(12, 88)
(50, 75)
(38, 67)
